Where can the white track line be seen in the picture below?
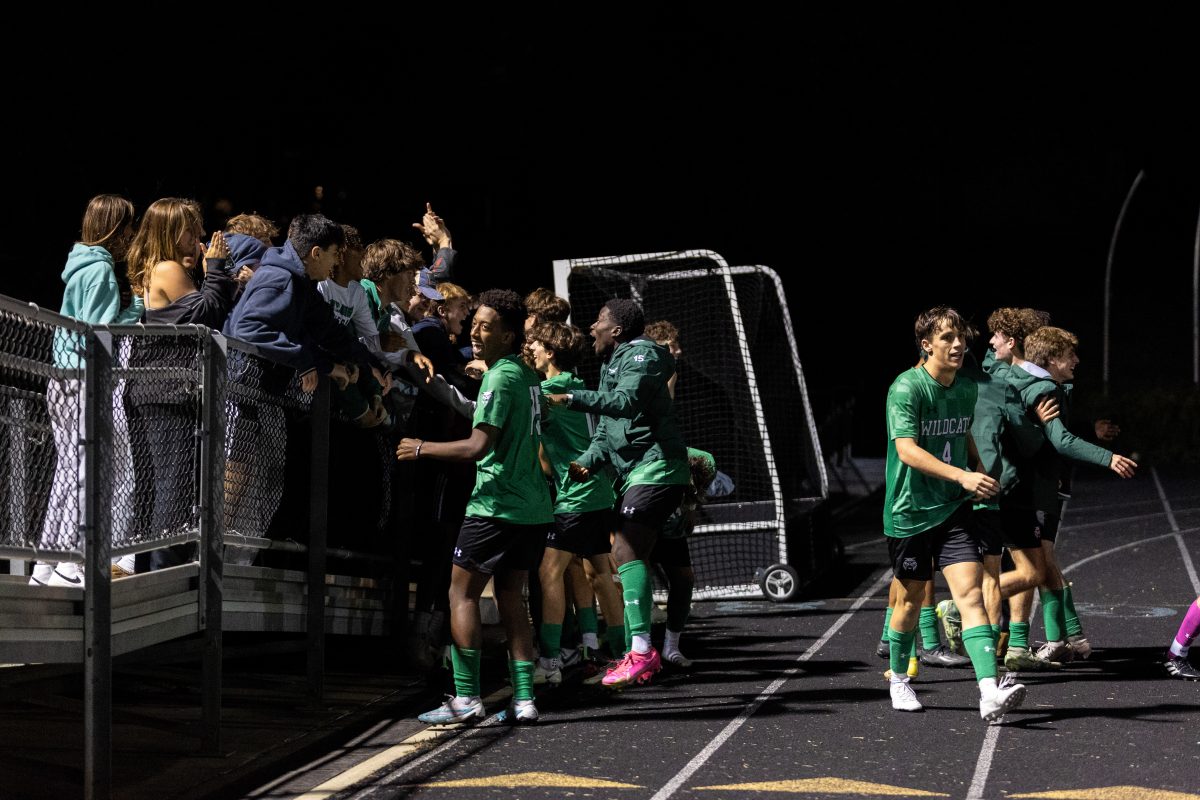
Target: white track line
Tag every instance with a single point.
(988, 750)
(704, 755)
(1183, 551)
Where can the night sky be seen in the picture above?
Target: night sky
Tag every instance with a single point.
(879, 172)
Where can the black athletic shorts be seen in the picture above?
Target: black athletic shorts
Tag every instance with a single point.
(989, 529)
(490, 545)
(1048, 522)
(671, 552)
(1021, 528)
(952, 542)
(584, 534)
(650, 505)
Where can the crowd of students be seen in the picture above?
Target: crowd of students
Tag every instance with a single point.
(522, 467)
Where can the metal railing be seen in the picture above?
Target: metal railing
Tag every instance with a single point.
(166, 442)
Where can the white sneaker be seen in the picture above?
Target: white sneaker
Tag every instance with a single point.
(455, 709)
(1080, 646)
(995, 704)
(519, 712)
(41, 574)
(66, 574)
(1060, 652)
(903, 697)
(547, 671)
(677, 658)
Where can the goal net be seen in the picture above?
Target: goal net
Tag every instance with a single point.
(740, 396)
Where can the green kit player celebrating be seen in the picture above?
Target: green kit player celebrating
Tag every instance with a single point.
(639, 436)
(508, 515)
(926, 513)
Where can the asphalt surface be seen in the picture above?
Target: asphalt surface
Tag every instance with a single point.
(789, 699)
(785, 700)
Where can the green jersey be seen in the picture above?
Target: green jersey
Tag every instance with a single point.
(509, 484)
(565, 435)
(995, 401)
(1047, 472)
(938, 419)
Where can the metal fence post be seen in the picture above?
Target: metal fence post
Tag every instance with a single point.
(96, 518)
(212, 535)
(317, 536)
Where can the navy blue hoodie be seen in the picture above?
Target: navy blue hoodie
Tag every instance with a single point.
(282, 313)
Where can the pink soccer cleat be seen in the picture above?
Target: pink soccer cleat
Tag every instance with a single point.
(633, 668)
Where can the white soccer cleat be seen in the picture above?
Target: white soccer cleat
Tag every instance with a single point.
(1059, 652)
(1080, 646)
(519, 712)
(903, 697)
(547, 671)
(998, 702)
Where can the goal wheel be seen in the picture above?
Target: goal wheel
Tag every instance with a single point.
(779, 583)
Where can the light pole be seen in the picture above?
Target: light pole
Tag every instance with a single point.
(1112, 248)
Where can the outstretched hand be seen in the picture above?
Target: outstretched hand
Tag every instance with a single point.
(1123, 466)
(578, 473)
(433, 228)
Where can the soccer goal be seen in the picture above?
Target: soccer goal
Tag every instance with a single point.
(741, 396)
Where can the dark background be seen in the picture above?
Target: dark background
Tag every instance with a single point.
(880, 172)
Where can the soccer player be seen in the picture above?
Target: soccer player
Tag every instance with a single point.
(1001, 429)
(1177, 663)
(582, 510)
(927, 508)
(507, 517)
(1048, 369)
(639, 436)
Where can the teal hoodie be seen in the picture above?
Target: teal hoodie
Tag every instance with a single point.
(638, 433)
(1043, 472)
(92, 295)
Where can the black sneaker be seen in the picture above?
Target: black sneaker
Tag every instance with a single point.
(883, 649)
(1179, 667)
(941, 656)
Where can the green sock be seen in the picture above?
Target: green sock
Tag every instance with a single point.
(929, 628)
(466, 670)
(638, 596)
(1053, 615)
(1074, 628)
(1018, 635)
(887, 621)
(901, 644)
(995, 633)
(551, 637)
(615, 636)
(982, 649)
(587, 620)
(521, 673)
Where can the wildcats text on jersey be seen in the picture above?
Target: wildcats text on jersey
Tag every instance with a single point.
(945, 427)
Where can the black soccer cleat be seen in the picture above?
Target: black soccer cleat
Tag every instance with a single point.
(1179, 667)
(941, 656)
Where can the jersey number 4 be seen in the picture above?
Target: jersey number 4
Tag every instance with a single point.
(947, 456)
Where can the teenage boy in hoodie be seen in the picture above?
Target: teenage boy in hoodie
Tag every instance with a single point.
(931, 477)
(1047, 370)
(638, 435)
(282, 313)
(92, 294)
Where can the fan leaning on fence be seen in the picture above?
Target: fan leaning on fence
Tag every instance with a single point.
(95, 294)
